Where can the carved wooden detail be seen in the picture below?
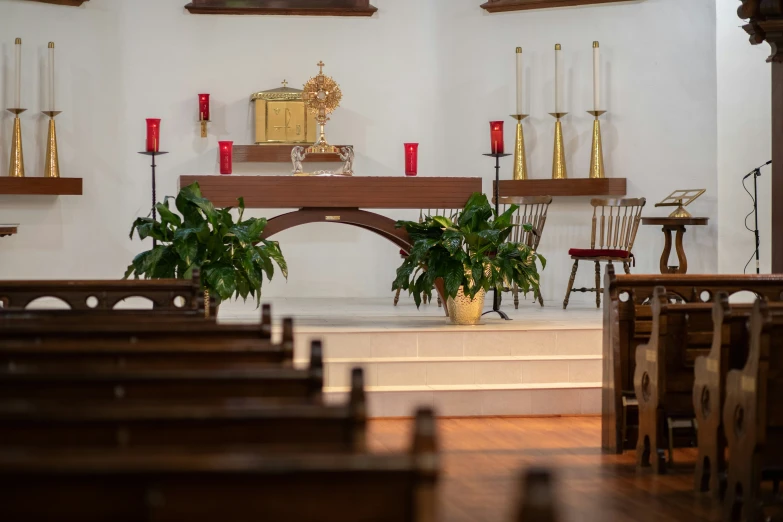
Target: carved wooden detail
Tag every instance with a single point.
(283, 7)
(500, 6)
(73, 3)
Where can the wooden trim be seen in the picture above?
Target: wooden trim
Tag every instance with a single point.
(41, 186)
(288, 7)
(72, 3)
(336, 191)
(564, 187)
(274, 153)
(501, 6)
(7, 230)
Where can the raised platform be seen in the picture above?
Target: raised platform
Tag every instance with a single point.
(545, 362)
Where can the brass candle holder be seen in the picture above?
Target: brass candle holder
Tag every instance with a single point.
(204, 127)
(559, 169)
(597, 155)
(16, 169)
(52, 164)
(520, 157)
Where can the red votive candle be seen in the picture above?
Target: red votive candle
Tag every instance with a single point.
(153, 135)
(411, 159)
(496, 136)
(226, 156)
(203, 107)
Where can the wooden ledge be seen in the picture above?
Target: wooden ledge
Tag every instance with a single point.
(41, 186)
(501, 6)
(288, 8)
(564, 187)
(72, 3)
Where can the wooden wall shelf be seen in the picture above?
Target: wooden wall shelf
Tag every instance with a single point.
(283, 7)
(72, 3)
(8, 230)
(564, 187)
(276, 154)
(41, 186)
(501, 6)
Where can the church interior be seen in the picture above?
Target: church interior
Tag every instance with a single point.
(391, 260)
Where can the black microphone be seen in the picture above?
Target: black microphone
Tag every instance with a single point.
(757, 170)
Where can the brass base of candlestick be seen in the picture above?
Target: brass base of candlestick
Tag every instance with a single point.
(52, 164)
(597, 155)
(559, 169)
(520, 158)
(16, 169)
(204, 128)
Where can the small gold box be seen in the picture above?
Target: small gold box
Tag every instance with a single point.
(281, 117)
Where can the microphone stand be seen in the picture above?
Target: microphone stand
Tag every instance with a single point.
(756, 173)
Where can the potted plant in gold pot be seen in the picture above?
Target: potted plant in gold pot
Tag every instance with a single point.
(471, 254)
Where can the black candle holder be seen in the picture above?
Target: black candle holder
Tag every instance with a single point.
(495, 295)
(154, 198)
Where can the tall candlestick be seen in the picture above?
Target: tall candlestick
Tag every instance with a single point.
(596, 77)
(18, 74)
(51, 76)
(520, 75)
(558, 79)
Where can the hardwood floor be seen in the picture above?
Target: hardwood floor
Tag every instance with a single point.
(483, 457)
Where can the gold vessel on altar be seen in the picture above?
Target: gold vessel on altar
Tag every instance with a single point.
(281, 117)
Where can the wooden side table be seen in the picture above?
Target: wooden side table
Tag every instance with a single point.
(670, 225)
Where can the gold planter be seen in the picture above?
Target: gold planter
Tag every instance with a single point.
(465, 311)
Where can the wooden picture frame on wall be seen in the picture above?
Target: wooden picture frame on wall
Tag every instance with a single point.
(500, 6)
(283, 7)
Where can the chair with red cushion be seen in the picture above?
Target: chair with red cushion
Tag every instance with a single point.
(615, 223)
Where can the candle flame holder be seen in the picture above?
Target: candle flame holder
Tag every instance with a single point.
(559, 169)
(520, 157)
(16, 168)
(52, 163)
(597, 152)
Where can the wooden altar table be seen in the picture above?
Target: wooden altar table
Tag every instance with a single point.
(334, 199)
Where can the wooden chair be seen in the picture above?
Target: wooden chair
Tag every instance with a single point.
(209, 486)
(614, 226)
(533, 211)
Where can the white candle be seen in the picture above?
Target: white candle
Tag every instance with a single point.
(520, 77)
(51, 76)
(18, 74)
(596, 77)
(558, 79)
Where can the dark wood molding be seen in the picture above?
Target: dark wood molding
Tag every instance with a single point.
(41, 186)
(276, 154)
(7, 230)
(336, 191)
(564, 187)
(72, 3)
(502, 6)
(283, 7)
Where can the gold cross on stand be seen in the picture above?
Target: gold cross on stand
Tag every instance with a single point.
(285, 83)
(321, 65)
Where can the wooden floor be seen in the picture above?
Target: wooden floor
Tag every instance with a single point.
(482, 459)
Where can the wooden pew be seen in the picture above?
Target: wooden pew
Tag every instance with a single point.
(753, 418)
(186, 486)
(538, 499)
(123, 384)
(627, 324)
(99, 298)
(256, 425)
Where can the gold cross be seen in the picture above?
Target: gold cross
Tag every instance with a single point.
(321, 65)
(285, 83)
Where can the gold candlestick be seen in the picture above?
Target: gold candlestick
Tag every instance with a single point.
(52, 164)
(16, 169)
(559, 170)
(520, 158)
(597, 155)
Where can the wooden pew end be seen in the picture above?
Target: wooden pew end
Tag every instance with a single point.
(537, 502)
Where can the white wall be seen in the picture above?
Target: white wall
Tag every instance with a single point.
(433, 71)
(744, 141)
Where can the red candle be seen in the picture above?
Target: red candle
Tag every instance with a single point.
(411, 159)
(203, 107)
(153, 135)
(496, 135)
(226, 156)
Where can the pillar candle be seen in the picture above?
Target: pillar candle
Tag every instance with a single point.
(18, 74)
(496, 136)
(596, 77)
(558, 79)
(520, 77)
(51, 76)
(226, 156)
(203, 107)
(411, 159)
(153, 135)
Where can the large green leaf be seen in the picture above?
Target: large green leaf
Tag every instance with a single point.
(221, 279)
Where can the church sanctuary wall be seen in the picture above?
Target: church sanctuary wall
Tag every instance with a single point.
(432, 71)
(744, 141)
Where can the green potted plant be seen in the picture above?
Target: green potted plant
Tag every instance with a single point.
(471, 254)
(230, 254)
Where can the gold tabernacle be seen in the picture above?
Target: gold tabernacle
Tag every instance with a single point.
(681, 199)
(281, 117)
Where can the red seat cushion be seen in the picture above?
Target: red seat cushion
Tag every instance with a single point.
(599, 252)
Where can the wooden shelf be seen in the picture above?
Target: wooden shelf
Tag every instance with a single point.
(283, 7)
(41, 186)
(564, 187)
(501, 6)
(72, 3)
(276, 154)
(7, 230)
